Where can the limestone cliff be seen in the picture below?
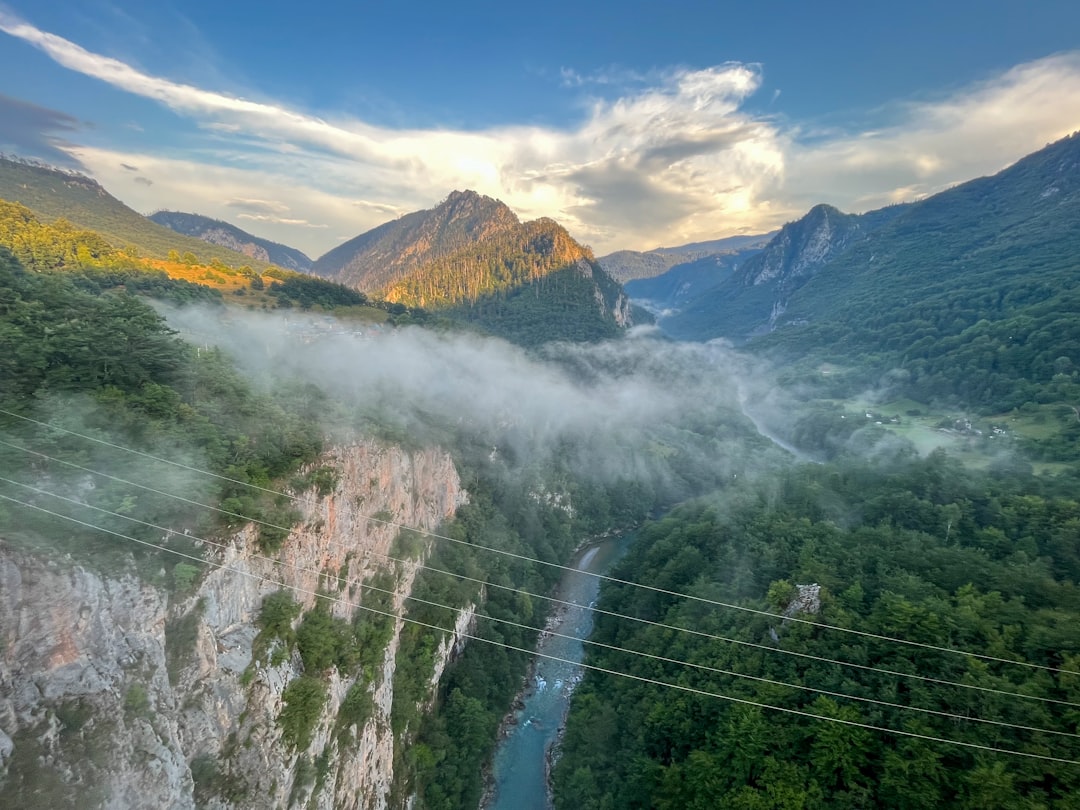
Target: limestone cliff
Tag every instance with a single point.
(116, 693)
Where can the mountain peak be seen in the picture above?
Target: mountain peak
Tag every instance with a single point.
(382, 256)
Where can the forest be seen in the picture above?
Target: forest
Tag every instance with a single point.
(721, 708)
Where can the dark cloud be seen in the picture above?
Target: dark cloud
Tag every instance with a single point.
(31, 131)
(129, 167)
(146, 181)
(623, 194)
(682, 147)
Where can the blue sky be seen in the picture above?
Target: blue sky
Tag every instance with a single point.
(634, 124)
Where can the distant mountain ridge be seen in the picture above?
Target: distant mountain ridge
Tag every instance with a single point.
(54, 193)
(685, 282)
(633, 265)
(756, 294)
(219, 232)
(817, 267)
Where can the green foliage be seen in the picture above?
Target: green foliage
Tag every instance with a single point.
(921, 549)
(137, 701)
(181, 635)
(322, 479)
(307, 291)
(275, 622)
(304, 699)
(324, 641)
(530, 284)
(78, 354)
(184, 576)
(54, 193)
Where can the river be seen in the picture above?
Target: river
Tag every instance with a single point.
(519, 770)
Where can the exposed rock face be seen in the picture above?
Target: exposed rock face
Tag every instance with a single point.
(218, 232)
(756, 295)
(807, 600)
(83, 687)
(111, 689)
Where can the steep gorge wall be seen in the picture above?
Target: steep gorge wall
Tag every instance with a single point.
(116, 693)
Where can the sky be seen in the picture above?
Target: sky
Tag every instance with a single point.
(635, 125)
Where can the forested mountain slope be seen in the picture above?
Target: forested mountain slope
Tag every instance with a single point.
(750, 301)
(55, 193)
(380, 257)
(970, 295)
(530, 283)
(471, 259)
(218, 232)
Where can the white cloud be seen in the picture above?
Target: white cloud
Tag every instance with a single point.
(282, 220)
(935, 144)
(675, 159)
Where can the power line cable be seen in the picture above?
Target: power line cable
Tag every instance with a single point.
(344, 581)
(558, 566)
(592, 667)
(648, 622)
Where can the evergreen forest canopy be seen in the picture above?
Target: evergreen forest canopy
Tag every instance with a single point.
(917, 549)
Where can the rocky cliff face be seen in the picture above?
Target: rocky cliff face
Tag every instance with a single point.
(755, 295)
(218, 232)
(115, 693)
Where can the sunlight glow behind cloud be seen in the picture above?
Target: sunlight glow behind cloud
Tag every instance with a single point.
(676, 158)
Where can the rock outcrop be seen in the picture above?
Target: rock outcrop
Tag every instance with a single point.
(117, 693)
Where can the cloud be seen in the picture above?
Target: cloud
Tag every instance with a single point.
(609, 76)
(267, 207)
(146, 181)
(668, 157)
(281, 220)
(31, 130)
(129, 167)
(932, 145)
(382, 208)
(637, 408)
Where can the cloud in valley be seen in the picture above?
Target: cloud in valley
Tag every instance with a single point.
(617, 409)
(668, 157)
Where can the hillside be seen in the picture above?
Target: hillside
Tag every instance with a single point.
(221, 233)
(687, 281)
(631, 265)
(56, 193)
(749, 301)
(472, 260)
(530, 284)
(970, 294)
(382, 256)
(916, 549)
